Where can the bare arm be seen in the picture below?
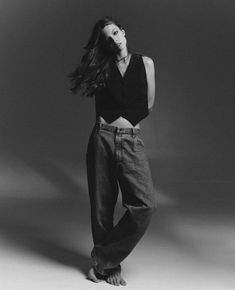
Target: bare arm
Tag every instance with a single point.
(150, 74)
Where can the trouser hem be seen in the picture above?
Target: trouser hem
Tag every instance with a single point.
(98, 268)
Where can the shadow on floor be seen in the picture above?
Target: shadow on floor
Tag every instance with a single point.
(54, 228)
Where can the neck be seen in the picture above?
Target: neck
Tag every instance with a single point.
(123, 53)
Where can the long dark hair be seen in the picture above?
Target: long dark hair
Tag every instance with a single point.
(101, 53)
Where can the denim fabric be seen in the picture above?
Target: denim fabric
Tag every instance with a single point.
(116, 156)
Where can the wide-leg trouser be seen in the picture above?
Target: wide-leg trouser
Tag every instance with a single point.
(117, 156)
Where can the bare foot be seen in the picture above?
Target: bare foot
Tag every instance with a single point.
(115, 277)
(94, 276)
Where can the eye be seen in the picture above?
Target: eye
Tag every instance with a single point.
(115, 32)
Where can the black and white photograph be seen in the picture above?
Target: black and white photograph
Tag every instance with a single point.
(117, 161)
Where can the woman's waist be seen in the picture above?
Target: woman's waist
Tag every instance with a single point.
(120, 122)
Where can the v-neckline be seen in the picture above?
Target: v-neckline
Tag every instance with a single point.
(124, 75)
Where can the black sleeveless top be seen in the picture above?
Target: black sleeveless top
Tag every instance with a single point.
(126, 95)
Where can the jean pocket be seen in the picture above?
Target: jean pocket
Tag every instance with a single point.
(138, 144)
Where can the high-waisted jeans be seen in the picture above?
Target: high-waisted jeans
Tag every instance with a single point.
(116, 156)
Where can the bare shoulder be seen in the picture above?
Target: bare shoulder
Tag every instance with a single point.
(148, 61)
(149, 65)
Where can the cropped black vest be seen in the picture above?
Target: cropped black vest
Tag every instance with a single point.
(126, 95)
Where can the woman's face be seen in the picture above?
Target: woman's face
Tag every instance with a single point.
(116, 34)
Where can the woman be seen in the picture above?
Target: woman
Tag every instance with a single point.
(123, 84)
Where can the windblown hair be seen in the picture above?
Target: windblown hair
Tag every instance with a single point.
(91, 74)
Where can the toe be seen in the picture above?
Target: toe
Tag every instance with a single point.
(112, 280)
(91, 276)
(123, 282)
(109, 280)
(116, 281)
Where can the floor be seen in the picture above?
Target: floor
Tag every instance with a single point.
(45, 237)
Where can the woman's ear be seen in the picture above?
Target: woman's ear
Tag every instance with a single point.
(124, 33)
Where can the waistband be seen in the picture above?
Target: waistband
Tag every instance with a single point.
(117, 130)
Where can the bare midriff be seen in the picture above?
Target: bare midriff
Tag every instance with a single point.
(120, 122)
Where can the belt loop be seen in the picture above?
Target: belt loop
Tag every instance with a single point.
(132, 132)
